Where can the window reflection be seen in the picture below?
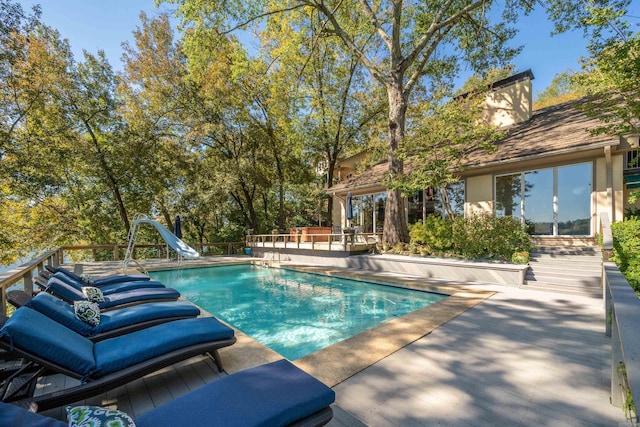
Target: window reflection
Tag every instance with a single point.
(557, 201)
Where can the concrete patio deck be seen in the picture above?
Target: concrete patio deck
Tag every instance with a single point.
(512, 357)
(519, 358)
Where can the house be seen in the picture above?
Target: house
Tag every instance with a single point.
(548, 171)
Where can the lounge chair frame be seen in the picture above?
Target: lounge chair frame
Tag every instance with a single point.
(94, 386)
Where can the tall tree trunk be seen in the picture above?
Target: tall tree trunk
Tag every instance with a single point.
(395, 225)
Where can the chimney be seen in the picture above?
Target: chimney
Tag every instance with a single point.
(509, 100)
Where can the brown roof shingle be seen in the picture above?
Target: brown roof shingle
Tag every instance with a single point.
(551, 130)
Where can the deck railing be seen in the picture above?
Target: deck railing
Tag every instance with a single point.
(330, 242)
(25, 273)
(22, 276)
(622, 311)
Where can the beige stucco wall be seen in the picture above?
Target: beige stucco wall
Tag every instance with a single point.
(510, 104)
(339, 211)
(601, 202)
(478, 195)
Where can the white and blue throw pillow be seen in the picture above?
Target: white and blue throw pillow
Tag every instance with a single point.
(93, 294)
(95, 416)
(87, 311)
(87, 279)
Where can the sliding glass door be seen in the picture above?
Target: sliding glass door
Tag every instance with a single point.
(552, 201)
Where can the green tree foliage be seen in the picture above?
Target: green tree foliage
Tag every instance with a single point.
(401, 44)
(563, 88)
(340, 101)
(611, 77)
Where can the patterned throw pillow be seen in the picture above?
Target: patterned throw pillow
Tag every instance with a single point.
(93, 416)
(87, 279)
(87, 311)
(93, 294)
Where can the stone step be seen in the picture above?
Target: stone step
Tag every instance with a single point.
(563, 250)
(564, 280)
(590, 290)
(565, 269)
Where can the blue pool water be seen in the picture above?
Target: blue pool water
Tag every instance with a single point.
(291, 312)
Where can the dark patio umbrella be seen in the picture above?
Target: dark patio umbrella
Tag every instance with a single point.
(177, 230)
(349, 207)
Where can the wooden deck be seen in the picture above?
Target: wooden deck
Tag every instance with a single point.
(520, 357)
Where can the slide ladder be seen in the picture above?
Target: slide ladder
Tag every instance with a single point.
(270, 259)
(183, 250)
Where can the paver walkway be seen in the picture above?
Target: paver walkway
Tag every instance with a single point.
(520, 358)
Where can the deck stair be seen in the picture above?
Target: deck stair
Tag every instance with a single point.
(566, 269)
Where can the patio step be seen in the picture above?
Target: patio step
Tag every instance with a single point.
(570, 270)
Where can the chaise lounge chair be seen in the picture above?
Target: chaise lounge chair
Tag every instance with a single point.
(108, 280)
(114, 322)
(130, 297)
(111, 288)
(102, 366)
(276, 394)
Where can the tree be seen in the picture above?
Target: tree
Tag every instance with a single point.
(339, 101)
(444, 132)
(400, 43)
(563, 88)
(611, 78)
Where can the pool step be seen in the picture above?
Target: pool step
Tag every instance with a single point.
(570, 270)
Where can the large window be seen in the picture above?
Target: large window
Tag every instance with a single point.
(368, 210)
(554, 201)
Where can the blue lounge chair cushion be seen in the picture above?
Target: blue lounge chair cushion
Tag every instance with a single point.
(36, 333)
(110, 288)
(101, 281)
(125, 350)
(69, 293)
(137, 295)
(63, 313)
(115, 319)
(60, 311)
(11, 415)
(275, 394)
(65, 291)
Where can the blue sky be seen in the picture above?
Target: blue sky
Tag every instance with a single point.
(93, 25)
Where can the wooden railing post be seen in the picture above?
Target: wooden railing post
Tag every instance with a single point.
(27, 281)
(116, 252)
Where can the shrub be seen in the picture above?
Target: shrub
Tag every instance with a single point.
(626, 249)
(433, 237)
(478, 236)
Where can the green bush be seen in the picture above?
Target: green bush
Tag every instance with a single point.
(434, 237)
(626, 249)
(478, 236)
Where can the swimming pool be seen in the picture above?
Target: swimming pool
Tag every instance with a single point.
(292, 312)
